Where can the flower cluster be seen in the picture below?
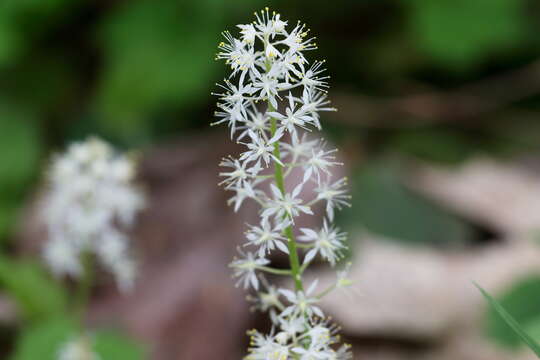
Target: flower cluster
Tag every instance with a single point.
(271, 102)
(91, 200)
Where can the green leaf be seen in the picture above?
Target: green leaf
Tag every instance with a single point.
(20, 150)
(512, 323)
(157, 55)
(461, 33)
(385, 207)
(43, 340)
(113, 345)
(522, 300)
(35, 291)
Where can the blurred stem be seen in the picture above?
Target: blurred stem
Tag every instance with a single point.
(326, 292)
(84, 288)
(275, 271)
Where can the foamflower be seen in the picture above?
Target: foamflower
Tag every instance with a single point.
(271, 103)
(90, 205)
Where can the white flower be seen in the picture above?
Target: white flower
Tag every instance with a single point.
(244, 269)
(266, 347)
(267, 298)
(334, 195)
(244, 190)
(230, 114)
(269, 25)
(313, 103)
(328, 242)
(268, 87)
(299, 147)
(235, 95)
(292, 325)
(256, 121)
(90, 203)
(125, 272)
(320, 162)
(312, 353)
(267, 237)
(293, 117)
(239, 173)
(285, 204)
(77, 349)
(231, 50)
(261, 149)
(248, 33)
(343, 353)
(302, 303)
(311, 78)
(63, 258)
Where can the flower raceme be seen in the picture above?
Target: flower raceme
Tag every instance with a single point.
(269, 68)
(91, 199)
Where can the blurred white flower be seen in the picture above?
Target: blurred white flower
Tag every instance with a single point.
(91, 201)
(245, 269)
(79, 348)
(334, 194)
(301, 303)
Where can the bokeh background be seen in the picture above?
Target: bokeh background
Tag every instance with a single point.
(438, 124)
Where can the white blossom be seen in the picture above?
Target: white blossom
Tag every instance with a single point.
(267, 237)
(293, 117)
(285, 204)
(267, 298)
(301, 303)
(261, 149)
(328, 242)
(299, 148)
(245, 269)
(244, 190)
(334, 194)
(91, 202)
(79, 348)
(320, 162)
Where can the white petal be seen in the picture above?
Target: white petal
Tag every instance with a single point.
(281, 246)
(310, 255)
(312, 286)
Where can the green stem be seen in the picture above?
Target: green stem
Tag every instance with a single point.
(275, 271)
(278, 174)
(82, 295)
(326, 292)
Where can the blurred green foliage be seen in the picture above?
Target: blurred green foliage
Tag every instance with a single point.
(37, 294)
(462, 33)
(20, 151)
(43, 341)
(522, 300)
(528, 337)
(157, 56)
(384, 206)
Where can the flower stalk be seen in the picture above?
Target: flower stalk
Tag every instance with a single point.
(269, 68)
